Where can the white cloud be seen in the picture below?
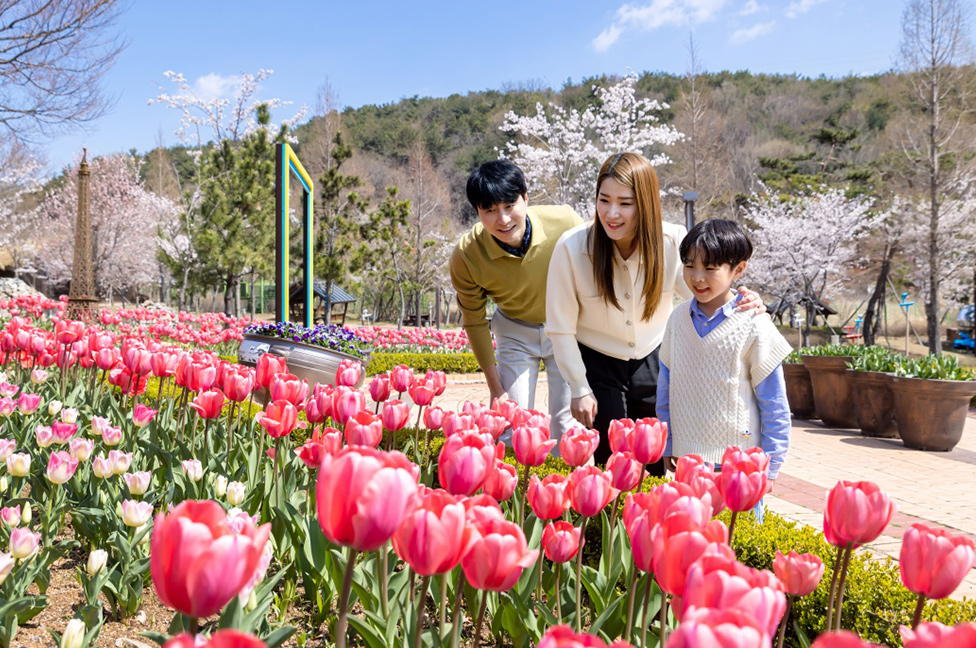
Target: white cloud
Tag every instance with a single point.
(741, 36)
(750, 8)
(799, 7)
(656, 14)
(216, 86)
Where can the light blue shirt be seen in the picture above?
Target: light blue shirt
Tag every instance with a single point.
(774, 409)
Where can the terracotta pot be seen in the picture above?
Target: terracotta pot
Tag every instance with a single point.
(874, 404)
(312, 363)
(832, 390)
(799, 391)
(931, 414)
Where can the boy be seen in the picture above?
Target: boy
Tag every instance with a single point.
(721, 380)
(505, 257)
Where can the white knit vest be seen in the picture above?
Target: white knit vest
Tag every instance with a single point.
(713, 379)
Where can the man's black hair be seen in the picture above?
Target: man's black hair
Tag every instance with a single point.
(498, 181)
(718, 242)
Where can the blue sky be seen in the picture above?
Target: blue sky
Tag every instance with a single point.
(374, 52)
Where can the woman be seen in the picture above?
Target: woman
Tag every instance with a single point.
(611, 288)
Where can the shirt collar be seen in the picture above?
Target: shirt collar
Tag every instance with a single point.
(725, 311)
(526, 241)
(493, 247)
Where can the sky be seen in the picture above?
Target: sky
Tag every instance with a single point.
(378, 52)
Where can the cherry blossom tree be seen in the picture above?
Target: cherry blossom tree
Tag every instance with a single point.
(561, 150)
(19, 181)
(125, 219)
(804, 244)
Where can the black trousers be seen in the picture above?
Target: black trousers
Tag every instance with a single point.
(623, 389)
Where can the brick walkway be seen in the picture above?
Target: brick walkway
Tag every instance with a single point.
(933, 487)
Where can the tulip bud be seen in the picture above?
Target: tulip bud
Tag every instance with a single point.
(69, 415)
(3, 485)
(54, 407)
(74, 634)
(26, 514)
(97, 560)
(193, 469)
(220, 486)
(235, 493)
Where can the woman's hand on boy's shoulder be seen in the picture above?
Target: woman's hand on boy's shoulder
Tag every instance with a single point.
(750, 301)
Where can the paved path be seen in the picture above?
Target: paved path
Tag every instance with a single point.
(935, 487)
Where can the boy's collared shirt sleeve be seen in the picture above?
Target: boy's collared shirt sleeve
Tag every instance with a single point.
(664, 402)
(774, 413)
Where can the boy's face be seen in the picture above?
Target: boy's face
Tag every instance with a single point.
(710, 284)
(506, 221)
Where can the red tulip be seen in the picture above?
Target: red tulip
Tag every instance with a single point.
(560, 541)
(799, 573)
(437, 380)
(840, 639)
(507, 408)
(318, 407)
(649, 438)
(164, 364)
(137, 360)
(208, 404)
(494, 424)
(290, 388)
(268, 367)
(348, 372)
(106, 359)
(431, 539)
(678, 544)
(434, 417)
(346, 402)
(744, 478)
(238, 385)
(68, 331)
(198, 562)
(200, 376)
(856, 513)
(577, 445)
(364, 429)
(401, 378)
(548, 497)
(364, 495)
(279, 418)
(379, 387)
(226, 638)
(718, 629)
(625, 471)
(936, 635)
(421, 392)
(532, 444)
(395, 414)
(621, 434)
(722, 582)
(314, 450)
(497, 555)
(933, 561)
(454, 423)
(464, 463)
(590, 490)
(502, 480)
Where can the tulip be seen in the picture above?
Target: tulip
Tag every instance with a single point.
(721, 582)
(363, 495)
(142, 415)
(69, 415)
(857, 512)
(936, 635)
(138, 482)
(74, 634)
(54, 407)
(799, 573)
(395, 414)
(44, 436)
(200, 376)
(235, 493)
(494, 424)
(718, 629)
(226, 638)
(220, 486)
(61, 467)
(238, 385)
(99, 424)
(7, 447)
(112, 435)
(62, 432)
(625, 470)
(454, 423)
(28, 403)
(560, 541)
(431, 538)
(364, 429)
(318, 407)
(164, 364)
(501, 481)
(506, 408)
(464, 463)
(621, 435)
(267, 368)
(209, 404)
(68, 331)
(97, 560)
(348, 372)
(840, 639)
(548, 497)
(421, 392)
(379, 387)
(279, 418)
(6, 406)
(37, 376)
(744, 478)
(590, 490)
(198, 562)
(315, 449)
(10, 515)
(24, 543)
(290, 388)
(137, 361)
(933, 561)
(135, 514)
(193, 469)
(346, 403)
(8, 391)
(401, 378)
(434, 417)
(676, 547)
(497, 555)
(532, 444)
(106, 359)
(101, 467)
(577, 445)
(649, 438)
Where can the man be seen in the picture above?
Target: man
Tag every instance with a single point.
(505, 257)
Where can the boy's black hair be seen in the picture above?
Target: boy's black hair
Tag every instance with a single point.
(498, 181)
(718, 242)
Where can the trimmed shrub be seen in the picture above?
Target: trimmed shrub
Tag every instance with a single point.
(452, 363)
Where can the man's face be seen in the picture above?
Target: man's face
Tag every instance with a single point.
(506, 221)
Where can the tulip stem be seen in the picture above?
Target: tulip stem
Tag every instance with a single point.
(381, 578)
(538, 587)
(735, 514)
(525, 489)
(277, 471)
(579, 582)
(842, 583)
(443, 606)
(664, 620)
(481, 618)
(833, 589)
(647, 605)
(917, 618)
(343, 621)
(456, 624)
(416, 435)
(424, 583)
(630, 604)
(786, 620)
(559, 601)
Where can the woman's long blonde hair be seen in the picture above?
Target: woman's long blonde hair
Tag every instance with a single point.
(632, 170)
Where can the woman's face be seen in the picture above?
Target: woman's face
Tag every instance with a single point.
(616, 206)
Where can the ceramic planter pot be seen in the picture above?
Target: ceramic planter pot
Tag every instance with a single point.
(931, 414)
(832, 390)
(874, 403)
(312, 363)
(799, 391)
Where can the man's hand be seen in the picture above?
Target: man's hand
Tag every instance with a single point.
(751, 301)
(670, 464)
(500, 395)
(584, 409)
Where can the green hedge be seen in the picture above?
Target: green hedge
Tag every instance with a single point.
(452, 363)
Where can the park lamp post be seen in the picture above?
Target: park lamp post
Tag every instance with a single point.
(690, 198)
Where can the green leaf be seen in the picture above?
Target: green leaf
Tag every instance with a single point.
(369, 634)
(279, 636)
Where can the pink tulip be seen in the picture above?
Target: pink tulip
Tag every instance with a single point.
(364, 495)
(577, 445)
(379, 387)
(6, 406)
(61, 467)
(501, 481)
(37, 376)
(709, 628)
(497, 555)
(164, 364)
(290, 388)
(401, 378)
(364, 429)
(507, 408)
(621, 435)
(267, 368)
(24, 543)
(28, 403)
(936, 635)
(454, 423)
(10, 515)
(137, 482)
(590, 490)
(464, 463)
(63, 432)
(348, 372)
(101, 468)
(560, 541)
(209, 404)
(106, 359)
(7, 447)
(688, 465)
(721, 582)
(840, 639)
(532, 444)
(433, 417)
(192, 469)
(7, 390)
(856, 513)
(346, 403)
(744, 478)
(238, 385)
(437, 380)
(142, 415)
(799, 573)
(81, 449)
(135, 514)
(421, 392)
(625, 470)
(494, 424)
(200, 376)
(678, 544)
(318, 407)
(548, 497)
(120, 461)
(395, 414)
(99, 424)
(137, 361)
(933, 561)
(226, 638)
(431, 539)
(44, 436)
(315, 449)
(649, 438)
(198, 562)
(278, 418)
(112, 435)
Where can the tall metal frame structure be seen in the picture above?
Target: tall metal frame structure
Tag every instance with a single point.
(287, 164)
(81, 295)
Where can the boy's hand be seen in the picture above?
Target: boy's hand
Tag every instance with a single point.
(584, 409)
(751, 301)
(771, 482)
(670, 464)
